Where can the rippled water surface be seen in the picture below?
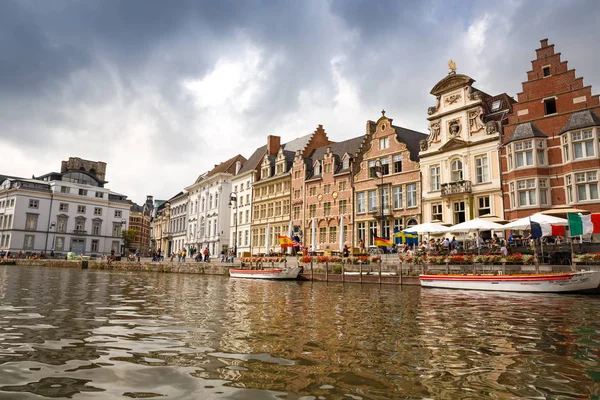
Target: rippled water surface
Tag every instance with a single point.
(106, 335)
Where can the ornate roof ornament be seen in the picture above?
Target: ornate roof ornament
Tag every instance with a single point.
(452, 66)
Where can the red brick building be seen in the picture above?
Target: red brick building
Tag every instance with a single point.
(322, 190)
(550, 152)
(140, 219)
(393, 200)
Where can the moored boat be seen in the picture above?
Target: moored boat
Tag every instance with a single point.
(275, 274)
(533, 283)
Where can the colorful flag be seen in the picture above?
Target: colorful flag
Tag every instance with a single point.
(596, 222)
(285, 241)
(382, 242)
(558, 230)
(580, 224)
(405, 237)
(296, 243)
(536, 230)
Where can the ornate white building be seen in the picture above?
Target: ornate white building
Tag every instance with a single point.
(178, 222)
(460, 168)
(62, 212)
(209, 216)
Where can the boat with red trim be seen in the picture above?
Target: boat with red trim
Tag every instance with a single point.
(563, 282)
(274, 274)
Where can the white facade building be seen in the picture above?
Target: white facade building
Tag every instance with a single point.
(61, 212)
(241, 185)
(177, 222)
(210, 215)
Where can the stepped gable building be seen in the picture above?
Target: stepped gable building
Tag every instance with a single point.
(241, 202)
(60, 212)
(160, 228)
(460, 157)
(140, 219)
(272, 188)
(322, 190)
(387, 181)
(209, 214)
(550, 152)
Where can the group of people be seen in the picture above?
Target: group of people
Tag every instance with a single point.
(452, 246)
(227, 258)
(21, 255)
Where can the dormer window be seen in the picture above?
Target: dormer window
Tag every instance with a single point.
(279, 169)
(496, 105)
(346, 163)
(264, 173)
(318, 168)
(327, 168)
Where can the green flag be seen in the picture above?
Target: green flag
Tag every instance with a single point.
(575, 224)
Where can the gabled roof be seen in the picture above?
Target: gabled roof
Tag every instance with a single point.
(411, 139)
(178, 195)
(349, 146)
(526, 130)
(298, 143)
(254, 161)
(580, 120)
(226, 166)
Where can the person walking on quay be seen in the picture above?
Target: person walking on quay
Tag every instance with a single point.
(222, 255)
(183, 254)
(179, 255)
(172, 256)
(206, 254)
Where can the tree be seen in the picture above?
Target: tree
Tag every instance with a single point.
(128, 237)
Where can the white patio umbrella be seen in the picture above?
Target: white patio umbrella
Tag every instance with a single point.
(291, 234)
(525, 222)
(427, 227)
(268, 239)
(475, 225)
(341, 233)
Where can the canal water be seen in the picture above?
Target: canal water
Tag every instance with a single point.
(67, 333)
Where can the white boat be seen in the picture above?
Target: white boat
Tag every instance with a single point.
(281, 273)
(536, 283)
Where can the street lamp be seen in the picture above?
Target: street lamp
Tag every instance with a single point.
(233, 199)
(379, 172)
(123, 222)
(52, 226)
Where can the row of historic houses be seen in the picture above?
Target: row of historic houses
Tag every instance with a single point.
(485, 155)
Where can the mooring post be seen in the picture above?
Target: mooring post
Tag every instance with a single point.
(379, 280)
(343, 273)
(360, 271)
(311, 270)
(400, 274)
(326, 271)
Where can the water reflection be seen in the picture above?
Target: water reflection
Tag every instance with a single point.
(93, 334)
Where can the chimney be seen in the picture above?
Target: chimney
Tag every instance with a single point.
(273, 145)
(544, 43)
(238, 166)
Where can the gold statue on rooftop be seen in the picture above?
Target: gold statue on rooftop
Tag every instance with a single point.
(452, 66)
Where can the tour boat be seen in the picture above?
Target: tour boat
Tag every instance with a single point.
(541, 283)
(285, 273)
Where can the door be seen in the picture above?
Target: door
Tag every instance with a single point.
(78, 246)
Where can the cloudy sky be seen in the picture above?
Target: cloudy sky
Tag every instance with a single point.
(163, 90)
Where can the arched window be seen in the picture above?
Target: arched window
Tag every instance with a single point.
(457, 170)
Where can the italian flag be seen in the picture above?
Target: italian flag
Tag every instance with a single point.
(583, 224)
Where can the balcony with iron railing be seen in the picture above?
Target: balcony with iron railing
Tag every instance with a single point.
(377, 211)
(458, 187)
(79, 232)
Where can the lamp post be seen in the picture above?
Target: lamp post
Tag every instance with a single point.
(379, 172)
(123, 222)
(233, 199)
(52, 226)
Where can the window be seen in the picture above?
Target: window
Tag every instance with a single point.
(543, 191)
(116, 232)
(459, 212)
(246, 237)
(296, 174)
(398, 224)
(296, 194)
(546, 71)
(296, 212)
(346, 163)
(263, 211)
(80, 224)
(82, 192)
(256, 212)
(496, 105)
(565, 147)
(286, 207)
(278, 208)
(64, 207)
(436, 212)
(34, 203)
(327, 168)
(524, 154)
(385, 166)
(279, 169)
(583, 144)
(95, 244)
(31, 222)
(482, 169)
(397, 197)
(61, 224)
(96, 225)
(372, 231)
(81, 209)
(587, 186)
(312, 191)
(397, 160)
(541, 157)
(343, 205)
(327, 209)
(411, 195)
(65, 189)
(342, 186)
(332, 234)
(362, 231)
(526, 192)
(118, 213)
(322, 235)
(509, 154)
(312, 210)
(270, 210)
(265, 173)
(384, 143)
(97, 211)
(360, 202)
(457, 170)
(483, 206)
(434, 178)
(247, 216)
(372, 200)
(317, 168)
(550, 106)
(385, 198)
(326, 189)
(28, 242)
(372, 169)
